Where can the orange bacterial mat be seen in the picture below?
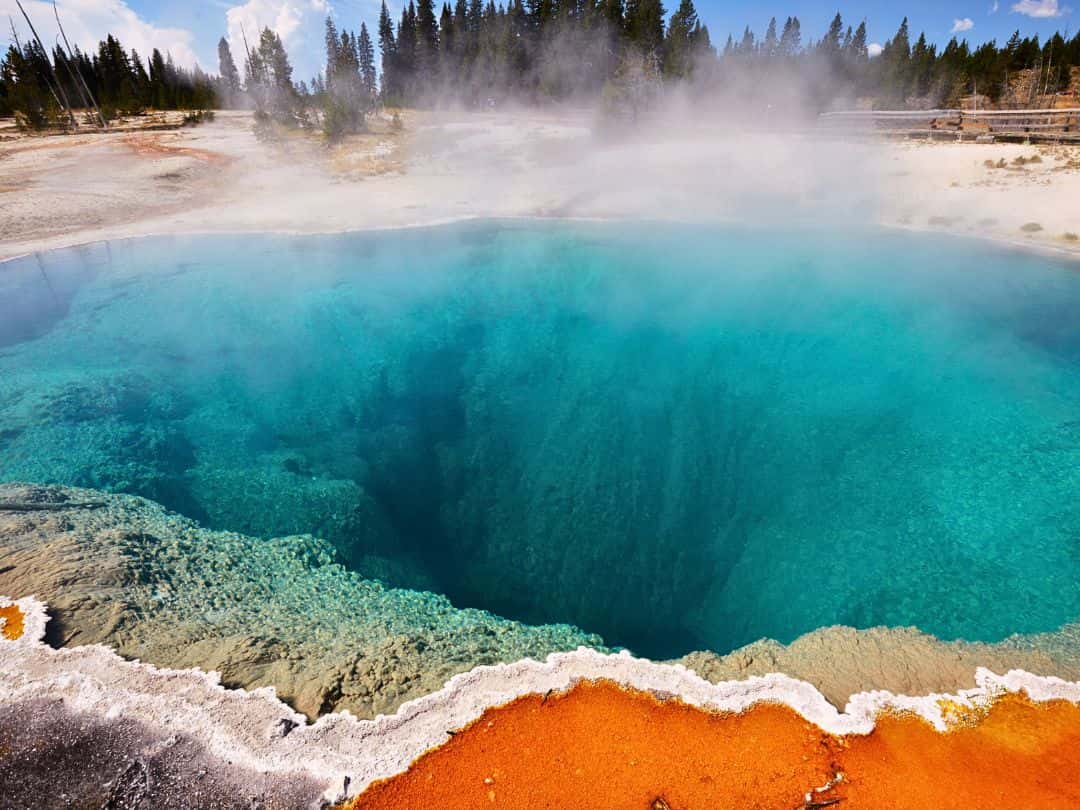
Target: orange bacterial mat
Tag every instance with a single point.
(13, 621)
(601, 746)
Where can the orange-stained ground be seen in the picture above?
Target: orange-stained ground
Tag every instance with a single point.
(13, 621)
(600, 746)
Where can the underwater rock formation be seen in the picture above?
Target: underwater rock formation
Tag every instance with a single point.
(122, 571)
(841, 661)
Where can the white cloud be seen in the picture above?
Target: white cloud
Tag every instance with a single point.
(874, 49)
(960, 26)
(299, 23)
(1039, 8)
(994, 8)
(88, 21)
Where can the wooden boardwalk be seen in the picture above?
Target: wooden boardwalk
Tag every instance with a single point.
(1036, 126)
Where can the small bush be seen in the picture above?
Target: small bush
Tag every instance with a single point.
(197, 117)
(1031, 227)
(942, 222)
(1024, 161)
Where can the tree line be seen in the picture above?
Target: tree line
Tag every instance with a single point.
(556, 49)
(482, 54)
(921, 74)
(533, 50)
(479, 54)
(37, 85)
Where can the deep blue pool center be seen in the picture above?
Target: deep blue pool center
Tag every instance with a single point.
(677, 436)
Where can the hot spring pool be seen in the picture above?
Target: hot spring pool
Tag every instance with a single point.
(679, 437)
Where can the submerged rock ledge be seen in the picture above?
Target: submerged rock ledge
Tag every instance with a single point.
(122, 571)
(127, 731)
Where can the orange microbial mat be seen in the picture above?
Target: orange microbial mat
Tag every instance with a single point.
(602, 746)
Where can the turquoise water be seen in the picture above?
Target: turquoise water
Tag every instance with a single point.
(679, 437)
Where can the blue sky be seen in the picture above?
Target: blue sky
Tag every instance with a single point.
(190, 29)
(979, 21)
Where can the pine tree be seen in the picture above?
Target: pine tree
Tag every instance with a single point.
(746, 44)
(366, 53)
(831, 43)
(922, 66)
(230, 76)
(23, 74)
(683, 41)
(406, 54)
(1012, 51)
(791, 38)
(612, 12)
(895, 66)
(447, 45)
(333, 52)
(771, 45)
(347, 96)
(646, 27)
(141, 77)
(427, 47)
(461, 20)
(157, 82)
(270, 77)
(474, 17)
(113, 68)
(858, 51)
(901, 42)
(517, 54)
(388, 57)
(279, 70)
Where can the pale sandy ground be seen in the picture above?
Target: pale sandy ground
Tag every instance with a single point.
(218, 177)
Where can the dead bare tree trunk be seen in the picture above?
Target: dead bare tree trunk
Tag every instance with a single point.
(18, 44)
(59, 93)
(249, 73)
(80, 83)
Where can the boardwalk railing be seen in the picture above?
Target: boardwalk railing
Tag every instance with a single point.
(1045, 125)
